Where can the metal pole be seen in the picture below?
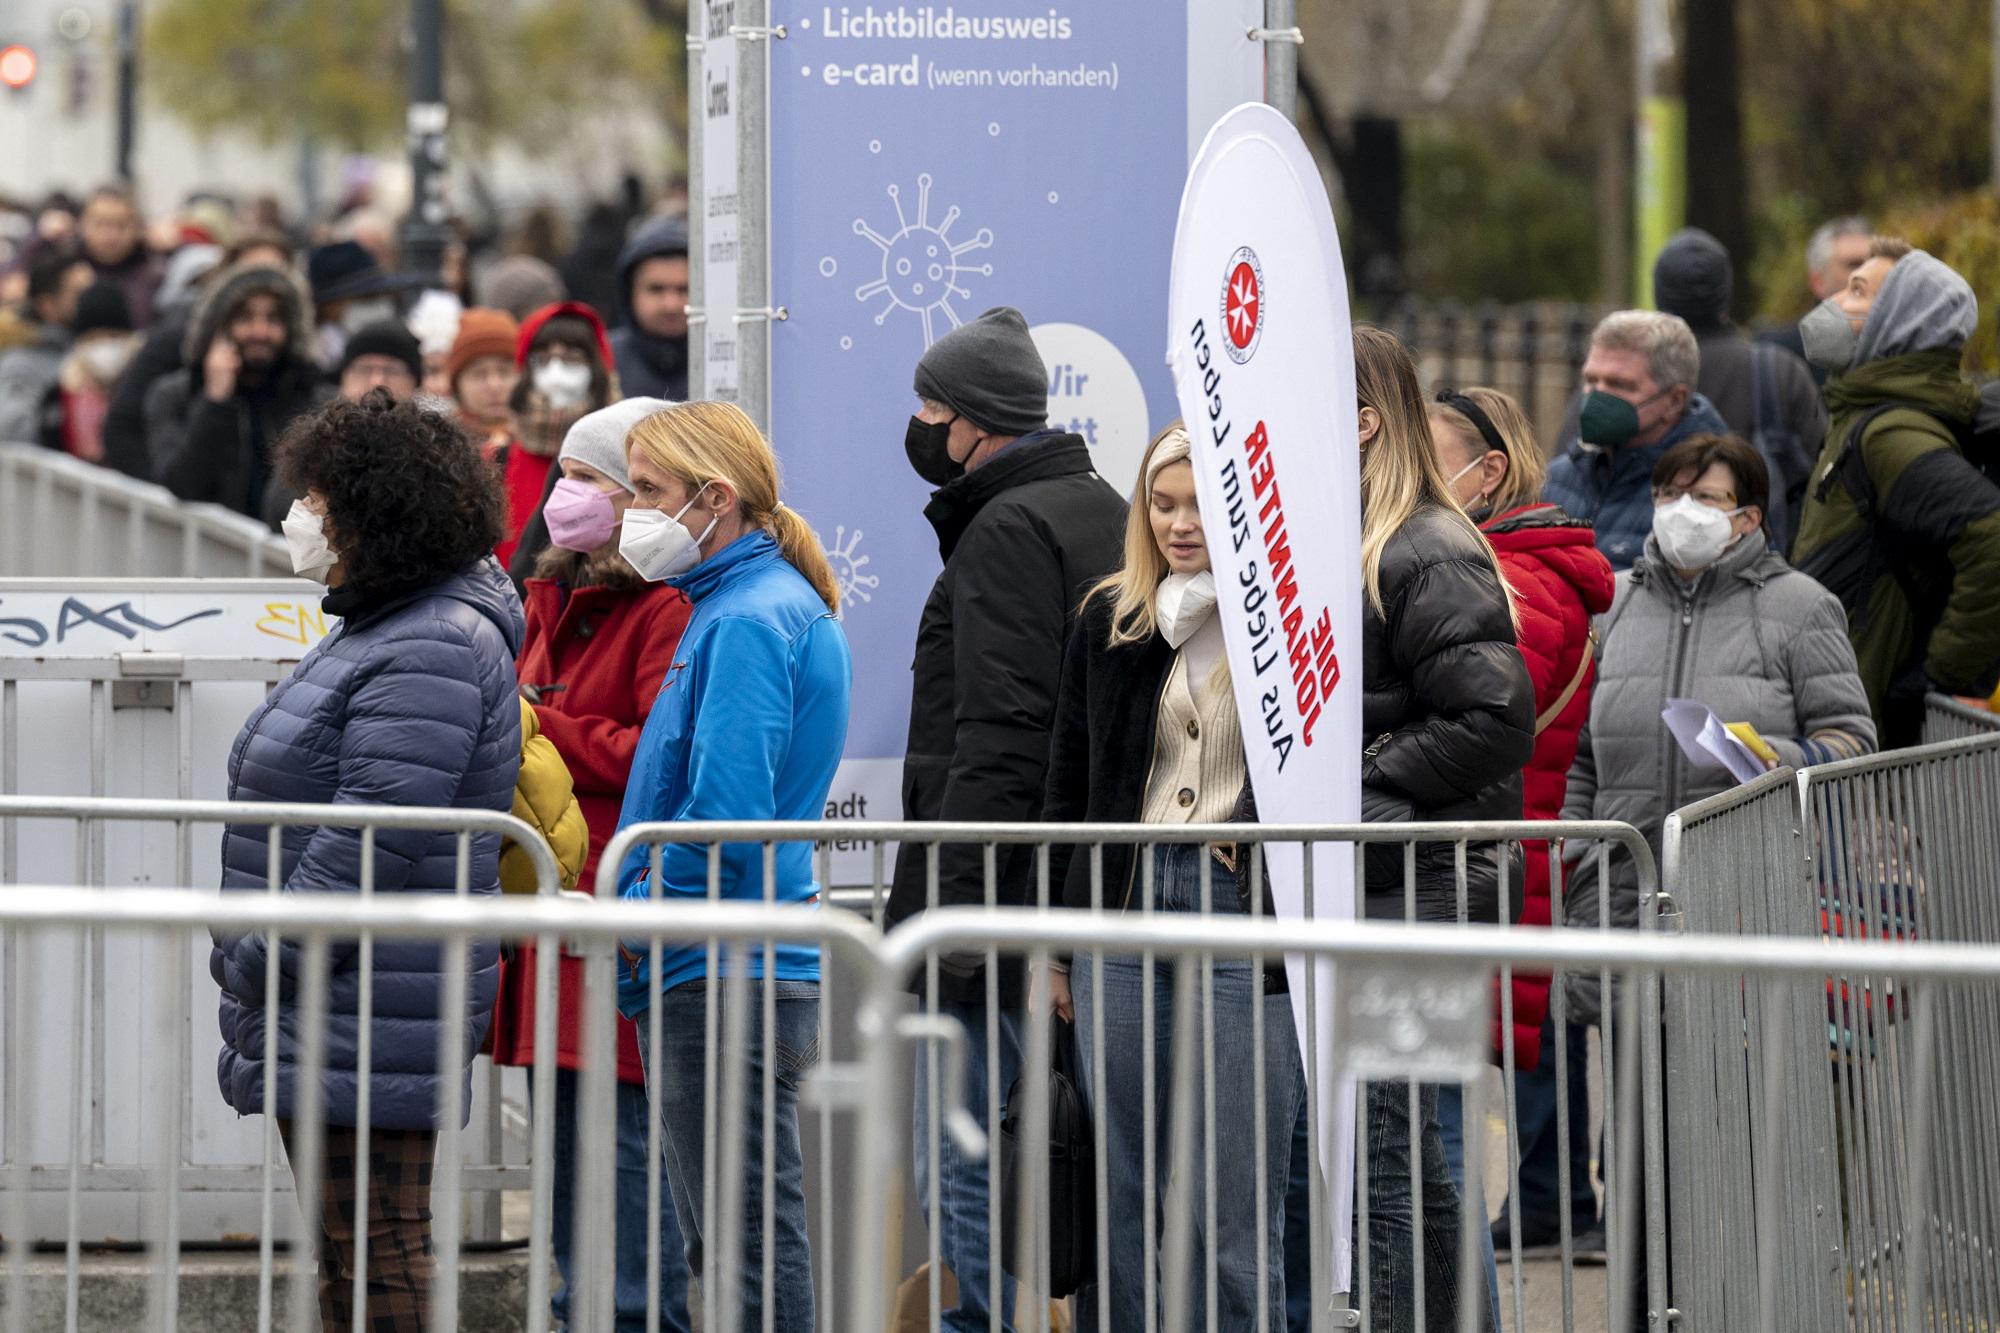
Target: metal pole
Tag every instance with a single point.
(1281, 58)
(423, 229)
(128, 84)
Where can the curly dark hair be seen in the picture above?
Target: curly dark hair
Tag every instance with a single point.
(409, 501)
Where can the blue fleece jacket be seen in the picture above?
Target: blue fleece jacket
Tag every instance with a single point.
(1612, 489)
(749, 725)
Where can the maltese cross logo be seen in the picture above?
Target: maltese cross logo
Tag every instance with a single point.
(1243, 304)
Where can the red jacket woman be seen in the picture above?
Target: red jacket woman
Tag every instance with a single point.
(599, 642)
(1559, 581)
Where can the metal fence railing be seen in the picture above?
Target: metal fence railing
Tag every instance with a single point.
(1906, 847)
(1831, 1146)
(1948, 719)
(1395, 966)
(79, 1144)
(71, 519)
(1534, 352)
(1752, 1161)
(1798, 1100)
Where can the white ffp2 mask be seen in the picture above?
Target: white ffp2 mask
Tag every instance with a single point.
(305, 536)
(655, 543)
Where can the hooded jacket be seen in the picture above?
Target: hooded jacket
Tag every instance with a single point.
(1915, 559)
(408, 702)
(649, 366)
(1757, 642)
(529, 476)
(749, 725)
(1023, 537)
(220, 453)
(1612, 489)
(1560, 581)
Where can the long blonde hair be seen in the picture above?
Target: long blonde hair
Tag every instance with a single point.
(1132, 585)
(703, 442)
(1526, 468)
(1399, 467)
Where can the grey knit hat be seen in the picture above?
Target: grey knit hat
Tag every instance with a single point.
(990, 373)
(598, 438)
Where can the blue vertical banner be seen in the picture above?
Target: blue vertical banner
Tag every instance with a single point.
(929, 162)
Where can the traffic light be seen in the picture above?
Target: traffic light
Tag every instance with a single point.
(18, 64)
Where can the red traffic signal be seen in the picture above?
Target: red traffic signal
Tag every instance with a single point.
(17, 66)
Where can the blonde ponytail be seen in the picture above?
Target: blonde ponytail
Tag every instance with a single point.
(800, 544)
(707, 441)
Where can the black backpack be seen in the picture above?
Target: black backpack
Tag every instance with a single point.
(1072, 1168)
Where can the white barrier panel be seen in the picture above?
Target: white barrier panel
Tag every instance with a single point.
(67, 518)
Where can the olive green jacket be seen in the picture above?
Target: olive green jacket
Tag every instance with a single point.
(1921, 582)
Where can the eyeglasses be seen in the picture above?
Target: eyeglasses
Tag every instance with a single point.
(1714, 499)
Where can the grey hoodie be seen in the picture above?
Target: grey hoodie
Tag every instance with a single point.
(1923, 306)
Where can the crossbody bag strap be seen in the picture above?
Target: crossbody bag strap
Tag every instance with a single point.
(1554, 710)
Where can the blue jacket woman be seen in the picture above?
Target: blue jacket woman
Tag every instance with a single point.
(749, 725)
(409, 702)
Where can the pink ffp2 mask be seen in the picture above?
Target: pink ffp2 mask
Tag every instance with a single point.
(580, 517)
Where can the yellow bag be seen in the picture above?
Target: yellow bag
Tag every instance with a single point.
(545, 800)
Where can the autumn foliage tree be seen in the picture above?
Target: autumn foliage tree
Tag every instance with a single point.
(335, 69)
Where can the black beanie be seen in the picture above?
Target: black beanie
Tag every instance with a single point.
(989, 372)
(1692, 279)
(385, 337)
(102, 306)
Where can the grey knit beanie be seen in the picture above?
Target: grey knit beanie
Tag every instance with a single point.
(989, 372)
(598, 438)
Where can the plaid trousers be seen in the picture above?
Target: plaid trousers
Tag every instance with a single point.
(401, 1262)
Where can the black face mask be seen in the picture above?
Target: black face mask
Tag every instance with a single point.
(928, 446)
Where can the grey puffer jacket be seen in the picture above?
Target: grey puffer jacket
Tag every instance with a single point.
(1756, 641)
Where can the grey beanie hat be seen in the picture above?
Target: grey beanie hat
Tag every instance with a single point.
(989, 372)
(598, 438)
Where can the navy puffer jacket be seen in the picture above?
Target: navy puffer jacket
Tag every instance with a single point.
(413, 703)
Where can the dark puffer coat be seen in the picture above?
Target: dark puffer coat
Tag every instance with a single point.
(408, 702)
(1447, 712)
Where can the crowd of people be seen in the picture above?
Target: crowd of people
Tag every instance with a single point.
(529, 537)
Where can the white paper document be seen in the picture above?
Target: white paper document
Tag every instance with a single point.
(1706, 742)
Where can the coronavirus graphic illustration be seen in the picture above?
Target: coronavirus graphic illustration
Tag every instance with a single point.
(921, 264)
(844, 554)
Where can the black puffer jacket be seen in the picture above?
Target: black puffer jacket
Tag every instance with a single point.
(1022, 538)
(1447, 712)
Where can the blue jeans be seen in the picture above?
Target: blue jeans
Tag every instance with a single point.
(1393, 1183)
(631, 1214)
(1451, 1131)
(1535, 1111)
(1177, 886)
(962, 1243)
(1298, 1228)
(681, 1087)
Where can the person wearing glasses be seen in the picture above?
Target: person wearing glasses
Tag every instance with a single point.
(1708, 612)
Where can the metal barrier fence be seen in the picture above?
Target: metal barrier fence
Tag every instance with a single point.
(71, 519)
(1947, 719)
(1839, 1171)
(87, 993)
(1752, 1162)
(790, 1180)
(1906, 847)
(996, 1043)
(1391, 963)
